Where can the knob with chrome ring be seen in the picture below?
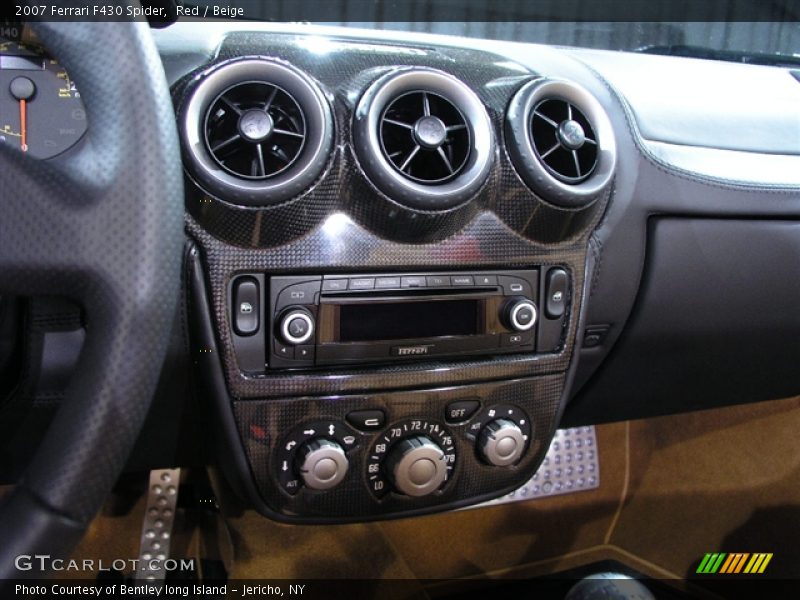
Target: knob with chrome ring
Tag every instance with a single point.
(416, 466)
(501, 443)
(321, 463)
(296, 327)
(519, 314)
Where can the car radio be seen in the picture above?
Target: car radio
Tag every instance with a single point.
(317, 320)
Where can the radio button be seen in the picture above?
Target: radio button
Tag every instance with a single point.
(362, 283)
(517, 339)
(462, 280)
(523, 316)
(461, 410)
(515, 286)
(366, 420)
(387, 283)
(304, 353)
(299, 293)
(298, 328)
(438, 281)
(412, 282)
(485, 279)
(334, 285)
(284, 351)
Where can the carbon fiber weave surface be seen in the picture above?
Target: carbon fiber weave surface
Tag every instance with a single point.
(343, 223)
(344, 70)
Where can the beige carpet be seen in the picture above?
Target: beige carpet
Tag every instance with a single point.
(719, 480)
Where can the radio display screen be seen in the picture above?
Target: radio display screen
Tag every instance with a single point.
(408, 320)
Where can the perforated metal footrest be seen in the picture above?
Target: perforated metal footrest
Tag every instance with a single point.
(159, 516)
(572, 464)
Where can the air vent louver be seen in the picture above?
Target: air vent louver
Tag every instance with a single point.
(255, 130)
(423, 138)
(561, 142)
(564, 140)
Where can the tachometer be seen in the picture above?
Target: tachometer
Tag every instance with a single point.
(41, 111)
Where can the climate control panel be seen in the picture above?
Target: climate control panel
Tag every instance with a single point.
(413, 457)
(359, 457)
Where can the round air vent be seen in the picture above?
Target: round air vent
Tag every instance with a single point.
(423, 138)
(256, 131)
(561, 142)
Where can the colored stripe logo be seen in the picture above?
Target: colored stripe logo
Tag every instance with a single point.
(734, 562)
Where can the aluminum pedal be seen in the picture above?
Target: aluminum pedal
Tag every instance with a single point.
(159, 517)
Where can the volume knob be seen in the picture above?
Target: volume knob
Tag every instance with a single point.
(416, 466)
(501, 443)
(296, 327)
(519, 314)
(321, 463)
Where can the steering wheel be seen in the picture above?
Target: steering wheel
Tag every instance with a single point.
(101, 225)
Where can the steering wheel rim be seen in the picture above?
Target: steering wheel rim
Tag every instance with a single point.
(101, 225)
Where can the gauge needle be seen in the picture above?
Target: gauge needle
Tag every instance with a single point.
(23, 124)
(23, 89)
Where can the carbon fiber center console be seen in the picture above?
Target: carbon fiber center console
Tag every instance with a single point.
(388, 272)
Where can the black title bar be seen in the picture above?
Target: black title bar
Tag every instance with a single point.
(388, 11)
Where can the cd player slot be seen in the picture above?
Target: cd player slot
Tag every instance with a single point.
(411, 295)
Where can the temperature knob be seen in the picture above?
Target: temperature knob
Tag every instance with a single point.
(416, 466)
(519, 314)
(501, 443)
(321, 463)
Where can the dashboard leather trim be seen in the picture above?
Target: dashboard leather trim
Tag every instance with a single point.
(747, 168)
(694, 102)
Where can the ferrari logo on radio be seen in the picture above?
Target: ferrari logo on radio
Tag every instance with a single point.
(412, 350)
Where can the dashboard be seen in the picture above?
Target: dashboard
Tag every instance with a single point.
(410, 258)
(394, 277)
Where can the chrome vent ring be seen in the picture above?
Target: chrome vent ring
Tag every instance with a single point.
(423, 138)
(561, 142)
(256, 131)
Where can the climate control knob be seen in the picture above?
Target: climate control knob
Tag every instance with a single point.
(416, 466)
(519, 314)
(296, 327)
(501, 443)
(321, 463)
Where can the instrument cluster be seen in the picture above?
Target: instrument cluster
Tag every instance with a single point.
(41, 110)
